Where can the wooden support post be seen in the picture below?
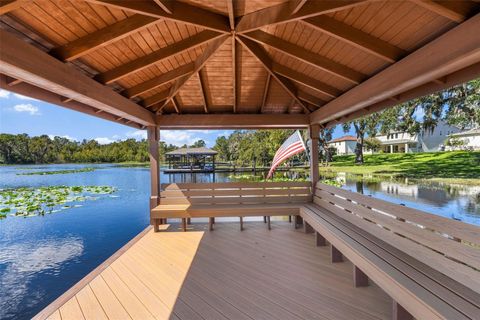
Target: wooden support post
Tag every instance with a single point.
(268, 223)
(360, 279)
(241, 223)
(399, 313)
(153, 136)
(314, 131)
(320, 240)
(211, 221)
(335, 254)
(264, 219)
(290, 219)
(184, 224)
(156, 223)
(307, 228)
(298, 221)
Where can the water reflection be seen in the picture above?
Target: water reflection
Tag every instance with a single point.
(25, 261)
(454, 201)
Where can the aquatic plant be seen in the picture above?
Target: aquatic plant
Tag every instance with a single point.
(42, 173)
(26, 202)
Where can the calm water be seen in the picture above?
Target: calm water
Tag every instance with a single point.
(43, 256)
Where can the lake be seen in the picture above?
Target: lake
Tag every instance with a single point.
(43, 256)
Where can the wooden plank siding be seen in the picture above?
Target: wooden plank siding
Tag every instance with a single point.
(311, 52)
(226, 274)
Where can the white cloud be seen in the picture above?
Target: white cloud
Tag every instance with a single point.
(178, 137)
(104, 140)
(4, 94)
(21, 97)
(138, 134)
(52, 136)
(27, 107)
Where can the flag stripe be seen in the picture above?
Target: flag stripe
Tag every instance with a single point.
(292, 146)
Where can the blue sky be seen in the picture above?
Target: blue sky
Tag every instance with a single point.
(20, 114)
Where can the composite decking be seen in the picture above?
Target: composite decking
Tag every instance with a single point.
(224, 274)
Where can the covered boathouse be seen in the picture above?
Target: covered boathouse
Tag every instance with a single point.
(257, 64)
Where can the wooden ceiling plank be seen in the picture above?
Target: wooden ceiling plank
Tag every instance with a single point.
(306, 56)
(199, 64)
(454, 50)
(176, 104)
(7, 6)
(166, 5)
(25, 62)
(29, 90)
(102, 37)
(259, 52)
(447, 9)
(232, 121)
(290, 106)
(231, 14)
(181, 12)
(203, 87)
(282, 13)
(157, 56)
(305, 80)
(156, 82)
(265, 92)
(356, 38)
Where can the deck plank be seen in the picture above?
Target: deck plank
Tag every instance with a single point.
(71, 310)
(227, 274)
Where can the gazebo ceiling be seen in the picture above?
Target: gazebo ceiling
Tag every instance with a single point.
(141, 62)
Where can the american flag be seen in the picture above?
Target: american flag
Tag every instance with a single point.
(292, 146)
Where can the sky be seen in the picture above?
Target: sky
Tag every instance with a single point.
(20, 114)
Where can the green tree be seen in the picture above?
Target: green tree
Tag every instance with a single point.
(366, 125)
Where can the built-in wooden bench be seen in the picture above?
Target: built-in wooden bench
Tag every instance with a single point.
(428, 264)
(211, 200)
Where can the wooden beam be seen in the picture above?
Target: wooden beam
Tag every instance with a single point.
(296, 5)
(202, 79)
(356, 38)
(158, 81)
(231, 14)
(153, 138)
(456, 49)
(451, 80)
(156, 98)
(157, 56)
(447, 9)
(258, 52)
(306, 81)
(199, 64)
(25, 62)
(232, 121)
(311, 99)
(314, 133)
(12, 81)
(166, 5)
(236, 72)
(10, 5)
(182, 12)
(282, 13)
(306, 56)
(176, 105)
(265, 92)
(29, 90)
(102, 37)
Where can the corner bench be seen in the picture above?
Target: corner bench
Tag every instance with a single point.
(428, 264)
(211, 200)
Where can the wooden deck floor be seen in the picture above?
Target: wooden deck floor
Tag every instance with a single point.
(224, 274)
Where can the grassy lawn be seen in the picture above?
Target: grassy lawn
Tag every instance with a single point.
(453, 167)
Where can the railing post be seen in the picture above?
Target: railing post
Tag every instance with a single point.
(153, 137)
(314, 131)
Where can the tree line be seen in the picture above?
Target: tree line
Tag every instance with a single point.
(459, 106)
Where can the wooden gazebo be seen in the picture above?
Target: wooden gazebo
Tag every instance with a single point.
(191, 159)
(218, 64)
